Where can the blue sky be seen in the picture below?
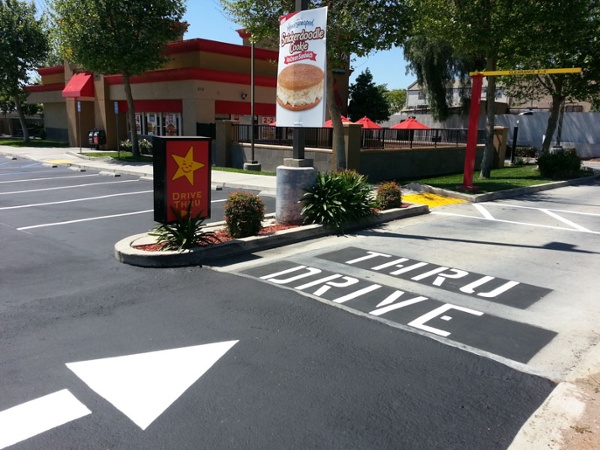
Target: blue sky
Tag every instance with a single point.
(207, 20)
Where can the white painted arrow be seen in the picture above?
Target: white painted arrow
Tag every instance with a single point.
(144, 385)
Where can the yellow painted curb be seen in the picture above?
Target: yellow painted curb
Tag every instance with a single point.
(431, 200)
(59, 161)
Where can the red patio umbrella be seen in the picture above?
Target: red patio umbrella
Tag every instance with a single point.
(329, 124)
(410, 124)
(368, 124)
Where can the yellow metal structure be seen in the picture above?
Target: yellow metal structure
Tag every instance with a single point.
(497, 73)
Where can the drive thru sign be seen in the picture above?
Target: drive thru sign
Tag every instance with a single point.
(181, 177)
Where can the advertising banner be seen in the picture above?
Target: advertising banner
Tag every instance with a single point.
(301, 74)
(181, 177)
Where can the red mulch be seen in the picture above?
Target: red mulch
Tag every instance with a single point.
(221, 235)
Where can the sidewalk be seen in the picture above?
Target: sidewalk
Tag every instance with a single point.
(71, 157)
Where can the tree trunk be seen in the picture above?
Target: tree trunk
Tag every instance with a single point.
(135, 147)
(490, 99)
(338, 145)
(557, 101)
(21, 118)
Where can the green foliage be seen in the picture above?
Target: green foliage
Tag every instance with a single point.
(146, 146)
(23, 44)
(561, 165)
(117, 36)
(244, 213)
(126, 145)
(389, 195)
(338, 199)
(436, 66)
(124, 37)
(353, 27)
(396, 99)
(367, 99)
(185, 233)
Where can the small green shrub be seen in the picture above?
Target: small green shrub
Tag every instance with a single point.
(561, 165)
(185, 233)
(338, 199)
(126, 145)
(244, 213)
(145, 146)
(525, 152)
(389, 195)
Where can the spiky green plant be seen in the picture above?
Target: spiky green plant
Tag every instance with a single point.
(185, 233)
(338, 199)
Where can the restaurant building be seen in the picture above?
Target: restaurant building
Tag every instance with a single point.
(204, 81)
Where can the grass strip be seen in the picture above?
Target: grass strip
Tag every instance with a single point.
(500, 180)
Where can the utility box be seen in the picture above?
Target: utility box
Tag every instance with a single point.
(181, 177)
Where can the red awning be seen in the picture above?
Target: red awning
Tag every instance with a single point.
(81, 85)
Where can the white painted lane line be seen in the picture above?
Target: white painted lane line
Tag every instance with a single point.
(36, 416)
(554, 210)
(89, 219)
(30, 180)
(484, 212)
(32, 205)
(68, 187)
(144, 385)
(565, 221)
(440, 213)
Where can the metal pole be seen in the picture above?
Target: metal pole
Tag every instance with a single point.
(514, 146)
(117, 134)
(79, 124)
(252, 101)
(299, 135)
(472, 132)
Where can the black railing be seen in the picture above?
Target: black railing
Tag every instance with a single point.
(382, 139)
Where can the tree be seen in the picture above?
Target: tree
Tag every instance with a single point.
(476, 35)
(573, 41)
(353, 27)
(126, 37)
(23, 46)
(367, 99)
(437, 68)
(396, 98)
(476, 31)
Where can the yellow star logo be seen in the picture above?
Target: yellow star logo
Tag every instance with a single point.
(187, 166)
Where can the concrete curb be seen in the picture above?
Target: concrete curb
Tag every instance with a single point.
(509, 193)
(117, 170)
(127, 254)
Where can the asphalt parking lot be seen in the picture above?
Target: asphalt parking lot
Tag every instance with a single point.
(61, 204)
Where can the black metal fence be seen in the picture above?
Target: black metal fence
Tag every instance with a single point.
(383, 139)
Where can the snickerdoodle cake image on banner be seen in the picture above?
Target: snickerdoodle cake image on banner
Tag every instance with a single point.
(300, 87)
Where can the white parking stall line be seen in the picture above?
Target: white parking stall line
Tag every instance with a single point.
(29, 180)
(441, 213)
(581, 213)
(484, 212)
(67, 187)
(88, 219)
(565, 221)
(100, 197)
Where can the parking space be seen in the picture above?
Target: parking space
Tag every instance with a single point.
(83, 208)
